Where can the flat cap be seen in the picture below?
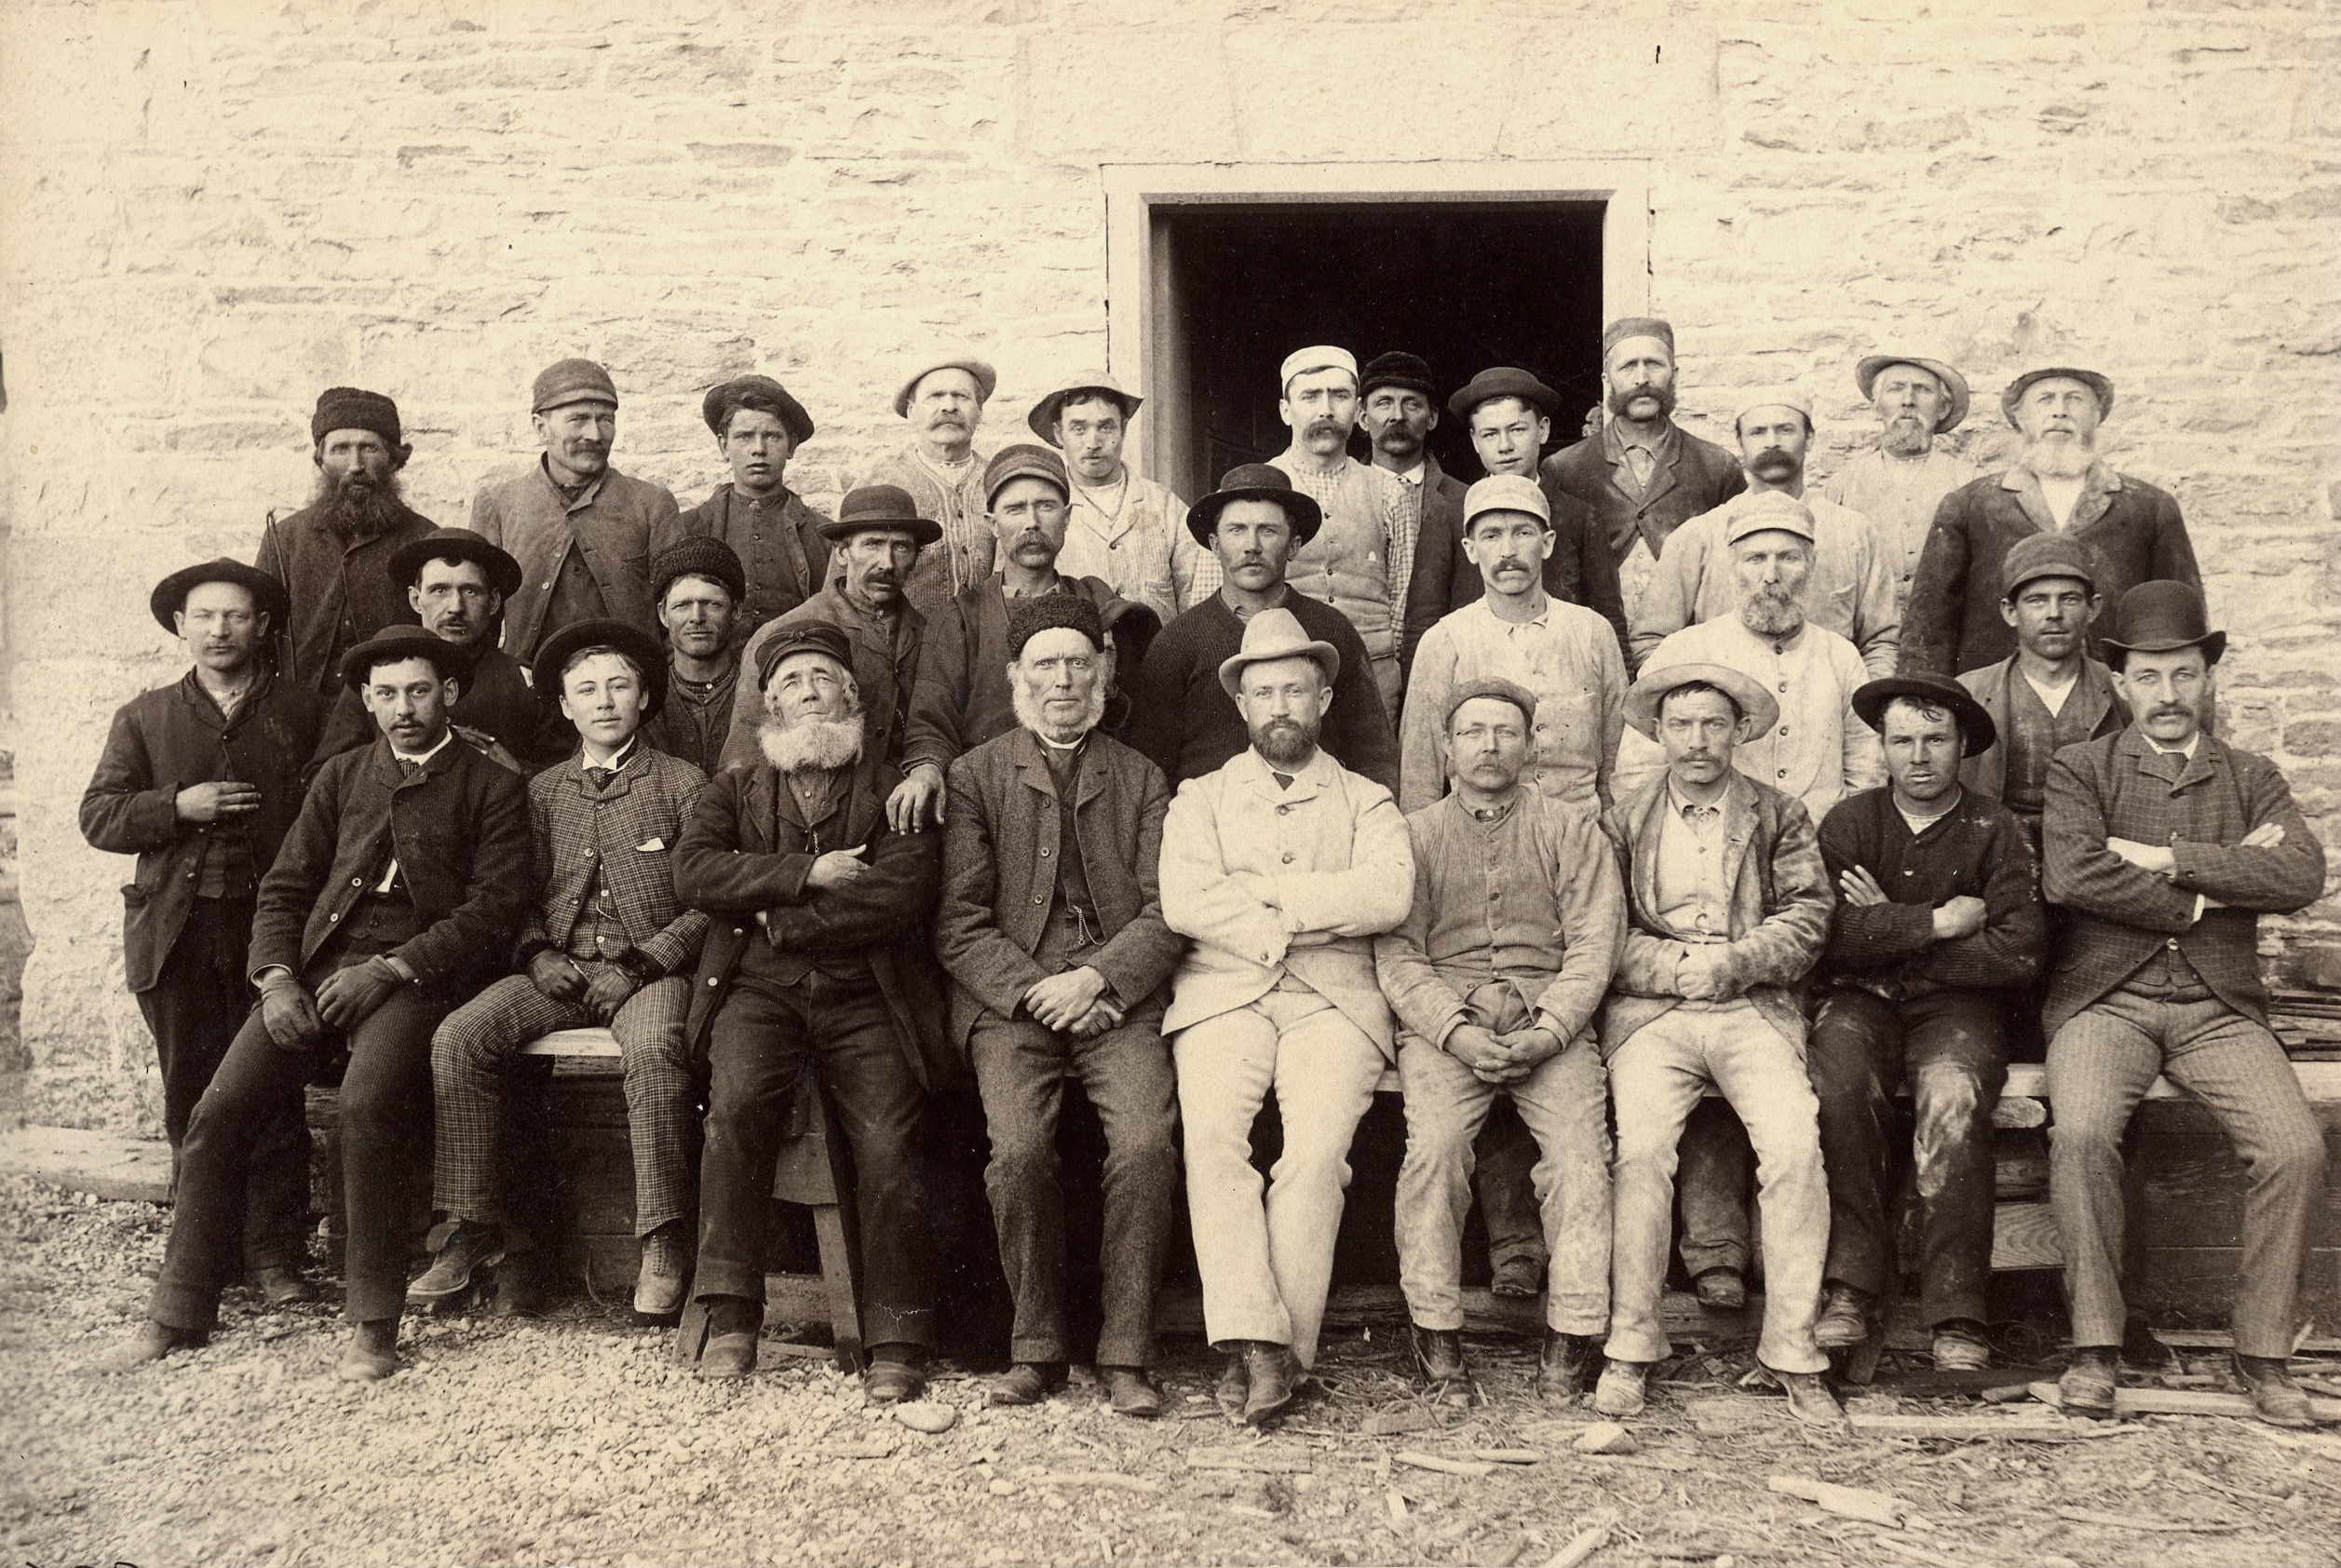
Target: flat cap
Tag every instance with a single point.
(268, 595)
(1505, 493)
(987, 380)
(1395, 368)
(354, 408)
(2045, 555)
(1318, 357)
(1024, 461)
(1625, 326)
(1030, 614)
(805, 637)
(1765, 509)
(1495, 686)
(1503, 381)
(756, 392)
(570, 381)
(702, 555)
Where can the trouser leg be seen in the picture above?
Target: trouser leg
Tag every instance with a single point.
(1325, 1072)
(472, 1051)
(1564, 1104)
(1019, 1071)
(1715, 1162)
(1956, 1046)
(1126, 1073)
(385, 1121)
(661, 1099)
(868, 1079)
(1503, 1179)
(1655, 1078)
(1854, 1059)
(757, 1049)
(1446, 1104)
(1225, 1066)
(2101, 1063)
(1761, 1072)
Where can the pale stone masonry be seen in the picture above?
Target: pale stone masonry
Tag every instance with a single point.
(213, 210)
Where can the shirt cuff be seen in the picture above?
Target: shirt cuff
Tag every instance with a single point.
(2198, 916)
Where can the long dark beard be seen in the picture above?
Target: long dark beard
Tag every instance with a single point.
(355, 506)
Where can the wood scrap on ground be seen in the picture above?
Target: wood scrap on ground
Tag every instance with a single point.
(1585, 1543)
(1853, 1501)
(2184, 1401)
(2133, 1522)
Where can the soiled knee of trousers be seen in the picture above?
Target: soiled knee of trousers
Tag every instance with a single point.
(1948, 1099)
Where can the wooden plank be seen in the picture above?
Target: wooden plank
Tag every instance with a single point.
(2187, 1401)
(1965, 1428)
(2024, 1236)
(573, 1041)
(2319, 1080)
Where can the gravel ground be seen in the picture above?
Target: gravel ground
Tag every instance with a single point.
(572, 1440)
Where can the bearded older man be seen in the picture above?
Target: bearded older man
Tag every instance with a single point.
(1051, 928)
(1899, 483)
(329, 554)
(942, 472)
(2134, 532)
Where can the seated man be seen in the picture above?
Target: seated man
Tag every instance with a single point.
(818, 962)
(1939, 930)
(606, 943)
(1281, 864)
(2165, 846)
(394, 899)
(1495, 973)
(1728, 908)
(1051, 928)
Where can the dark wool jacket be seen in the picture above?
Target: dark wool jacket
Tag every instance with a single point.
(1978, 850)
(341, 589)
(619, 525)
(164, 740)
(782, 549)
(496, 701)
(1579, 570)
(1693, 476)
(2101, 708)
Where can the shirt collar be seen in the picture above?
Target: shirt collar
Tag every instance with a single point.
(1414, 476)
(2194, 743)
(1614, 442)
(1683, 805)
(626, 754)
(426, 756)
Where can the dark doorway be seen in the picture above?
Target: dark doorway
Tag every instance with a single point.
(1465, 285)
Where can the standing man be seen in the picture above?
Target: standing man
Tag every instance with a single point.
(1727, 905)
(606, 943)
(1899, 483)
(1937, 933)
(775, 537)
(1399, 414)
(583, 533)
(2132, 532)
(1508, 415)
(942, 472)
(1496, 974)
(818, 962)
(1252, 523)
(875, 541)
(1127, 532)
(1644, 475)
(1051, 929)
(201, 780)
(2165, 847)
(1563, 654)
(1282, 866)
(700, 585)
(329, 555)
(1852, 590)
(1358, 559)
(395, 897)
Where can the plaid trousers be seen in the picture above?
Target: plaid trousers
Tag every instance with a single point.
(480, 1040)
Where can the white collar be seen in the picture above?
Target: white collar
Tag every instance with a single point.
(2187, 751)
(426, 756)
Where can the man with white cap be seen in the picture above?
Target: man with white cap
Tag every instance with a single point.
(2058, 485)
(583, 533)
(1563, 652)
(1727, 910)
(1282, 866)
(1852, 590)
(943, 474)
(1124, 531)
(1359, 560)
(1898, 483)
(1644, 475)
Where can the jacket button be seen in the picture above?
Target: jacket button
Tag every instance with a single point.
(1044, 854)
(1035, 897)
(711, 980)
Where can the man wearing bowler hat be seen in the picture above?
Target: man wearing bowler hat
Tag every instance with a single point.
(700, 585)
(329, 554)
(201, 780)
(393, 899)
(874, 548)
(583, 533)
(606, 942)
(2164, 847)
(1938, 932)
(774, 535)
(2058, 484)
(942, 472)
(1898, 482)
(1124, 531)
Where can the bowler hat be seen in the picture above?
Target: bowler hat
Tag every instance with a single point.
(394, 643)
(354, 408)
(554, 654)
(2045, 555)
(2103, 388)
(1977, 733)
(1395, 368)
(701, 555)
(808, 635)
(1043, 419)
(1495, 686)
(570, 381)
(1503, 381)
(1024, 461)
(986, 380)
(1758, 710)
(2157, 616)
(405, 566)
(1277, 635)
(1256, 482)
(1954, 385)
(268, 595)
(727, 398)
(880, 505)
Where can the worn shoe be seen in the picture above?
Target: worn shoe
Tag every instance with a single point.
(373, 1352)
(1274, 1376)
(1129, 1392)
(2274, 1394)
(1721, 1289)
(893, 1378)
(1623, 1388)
(2087, 1388)
(1234, 1389)
(1845, 1319)
(1517, 1278)
(467, 1248)
(519, 1293)
(151, 1344)
(1438, 1355)
(1959, 1347)
(281, 1286)
(1809, 1400)
(1562, 1365)
(1026, 1382)
(731, 1355)
(658, 1288)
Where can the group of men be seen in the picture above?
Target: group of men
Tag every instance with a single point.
(1624, 783)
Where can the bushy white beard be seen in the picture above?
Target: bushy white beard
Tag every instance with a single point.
(1028, 711)
(2060, 460)
(812, 743)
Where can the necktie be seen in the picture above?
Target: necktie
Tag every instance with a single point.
(1283, 780)
(409, 767)
(600, 777)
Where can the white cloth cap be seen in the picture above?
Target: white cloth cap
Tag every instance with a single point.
(1323, 356)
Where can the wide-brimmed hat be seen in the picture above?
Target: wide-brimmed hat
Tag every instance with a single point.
(392, 643)
(727, 398)
(803, 637)
(1397, 367)
(1955, 386)
(2157, 616)
(405, 566)
(2091, 379)
(268, 595)
(556, 651)
(1503, 381)
(1977, 733)
(879, 506)
(1758, 710)
(1024, 461)
(2045, 555)
(1256, 482)
(1043, 419)
(1277, 635)
(987, 380)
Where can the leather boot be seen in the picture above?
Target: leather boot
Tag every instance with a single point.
(2278, 1398)
(281, 1286)
(1845, 1317)
(374, 1351)
(151, 1344)
(733, 1323)
(1810, 1401)
(2087, 1388)
(1438, 1355)
(1129, 1392)
(1234, 1388)
(1623, 1388)
(1275, 1377)
(1562, 1366)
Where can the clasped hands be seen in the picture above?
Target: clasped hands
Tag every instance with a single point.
(296, 1021)
(1506, 1057)
(1075, 1002)
(554, 974)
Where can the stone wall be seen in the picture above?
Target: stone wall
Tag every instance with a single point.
(216, 208)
